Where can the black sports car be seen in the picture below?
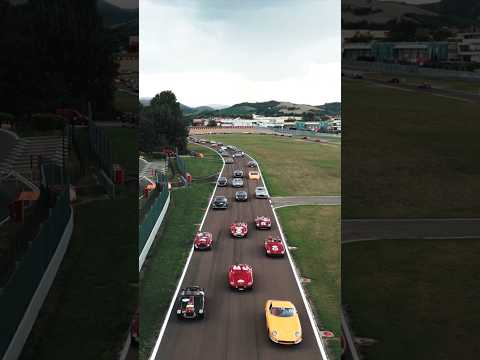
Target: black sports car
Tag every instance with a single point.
(191, 303)
(222, 181)
(238, 174)
(220, 202)
(252, 164)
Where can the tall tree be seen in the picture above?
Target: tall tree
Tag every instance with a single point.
(167, 120)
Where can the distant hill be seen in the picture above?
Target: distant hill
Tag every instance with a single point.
(380, 12)
(268, 108)
(113, 15)
(193, 111)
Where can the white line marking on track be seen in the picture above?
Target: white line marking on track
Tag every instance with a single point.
(172, 303)
(313, 323)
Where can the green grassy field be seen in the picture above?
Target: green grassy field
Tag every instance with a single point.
(82, 310)
(167, 257)
(124, 148)
(418, 298)
(408, 154)
(290, 166)
(315, 230)
(203, 167)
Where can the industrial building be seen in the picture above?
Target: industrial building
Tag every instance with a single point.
(397, 52)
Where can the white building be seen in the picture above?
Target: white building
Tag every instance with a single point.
(467, 46)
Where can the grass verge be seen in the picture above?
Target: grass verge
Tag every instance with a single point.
(124, 148)
(82, 317)
(124, 101)
(291, 166)
(315, 230)
(168, 255)
(408, 154)
(418, 299)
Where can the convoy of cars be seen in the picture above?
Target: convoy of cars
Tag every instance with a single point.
(282, 320)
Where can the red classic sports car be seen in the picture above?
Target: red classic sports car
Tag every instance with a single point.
(263, 222)
(239, 229)
(274, 246)
(203, 241)
(240, 277)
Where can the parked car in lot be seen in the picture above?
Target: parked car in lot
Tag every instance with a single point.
(237, 182)
(238, 174)
(261, 192)
(283, 323)
(203, 241)
(222, 181)
(220, 202)
(240, 277)
(191, 303)
(241, 196)
(274, 246)
(254, 175)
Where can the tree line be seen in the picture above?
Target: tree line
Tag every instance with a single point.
(54, 53)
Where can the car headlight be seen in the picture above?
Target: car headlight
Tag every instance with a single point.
(179, 311)
(298, 334)
(274, 333)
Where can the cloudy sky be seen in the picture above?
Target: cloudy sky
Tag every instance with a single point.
(230, 51)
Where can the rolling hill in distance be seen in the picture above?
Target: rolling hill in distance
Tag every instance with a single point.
(266, 108)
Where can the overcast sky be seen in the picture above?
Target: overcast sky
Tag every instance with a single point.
(230, 51)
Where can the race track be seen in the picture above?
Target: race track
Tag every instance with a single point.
(234, 325)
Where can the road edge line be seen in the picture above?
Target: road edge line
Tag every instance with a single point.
(187, 263)
(311, 317)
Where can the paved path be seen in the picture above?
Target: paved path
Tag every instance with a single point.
(281, 201)
(378, 229)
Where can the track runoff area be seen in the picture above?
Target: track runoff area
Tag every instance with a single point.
(234, 325)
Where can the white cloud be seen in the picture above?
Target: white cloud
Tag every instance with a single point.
(288, 52)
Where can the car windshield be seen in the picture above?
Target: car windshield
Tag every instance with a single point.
(220, 199)
(282, 311)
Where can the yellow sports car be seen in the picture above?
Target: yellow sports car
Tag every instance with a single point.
(283, 323)
(254, 175)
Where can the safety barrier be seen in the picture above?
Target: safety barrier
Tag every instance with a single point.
(411, 69)
(152, 220)
(21, 298)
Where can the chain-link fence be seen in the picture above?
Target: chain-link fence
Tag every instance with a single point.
(101, 148)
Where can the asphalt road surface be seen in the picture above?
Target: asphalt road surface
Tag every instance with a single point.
(373, 229)
(234, 325)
